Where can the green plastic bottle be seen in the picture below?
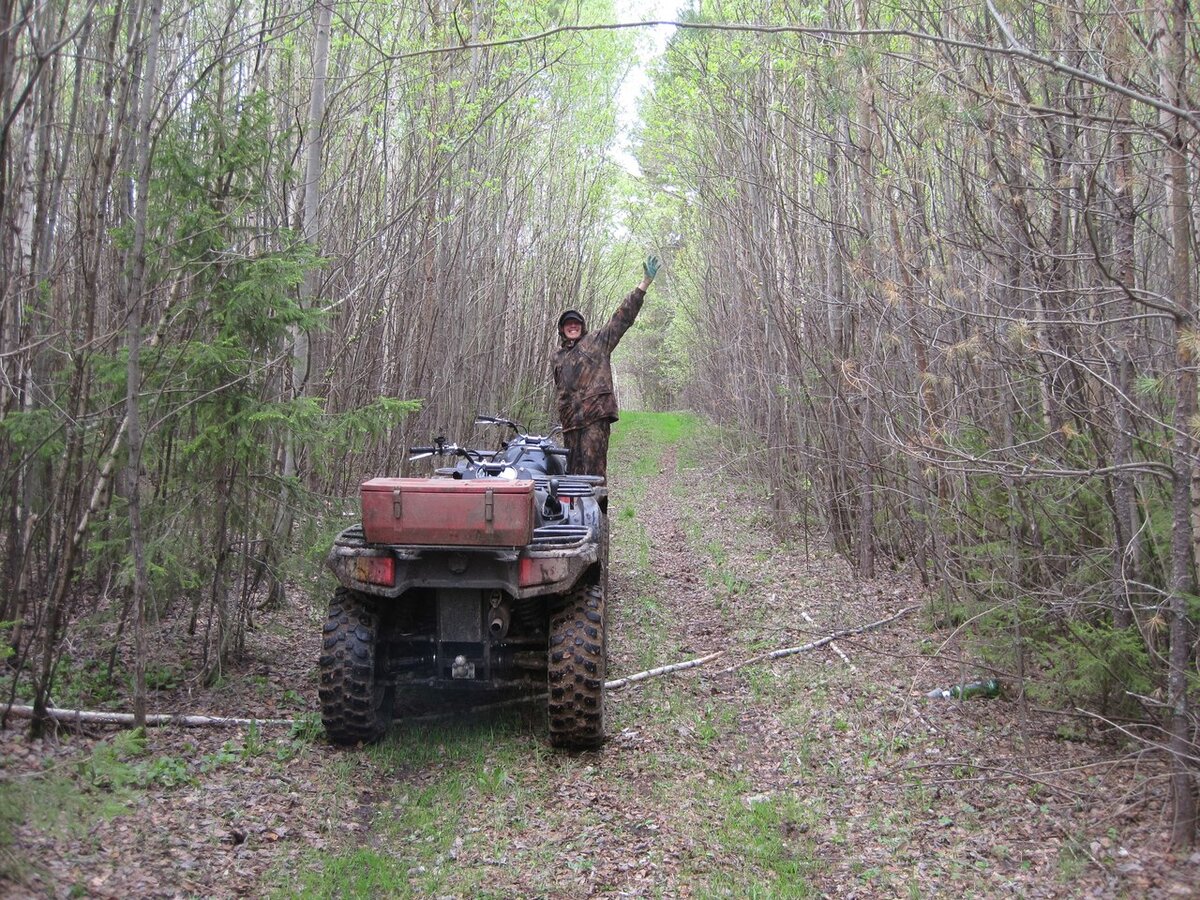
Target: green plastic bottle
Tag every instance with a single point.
(989, 687)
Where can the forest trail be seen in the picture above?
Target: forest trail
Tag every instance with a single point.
(937, 262)
(826, 773)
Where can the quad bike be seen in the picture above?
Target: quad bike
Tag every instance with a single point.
(489, 575)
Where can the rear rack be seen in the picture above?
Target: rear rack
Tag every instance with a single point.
(558, 537)
(545, 537)
(352, 535)
(569, 485)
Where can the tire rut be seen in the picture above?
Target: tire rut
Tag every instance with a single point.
(697, 628)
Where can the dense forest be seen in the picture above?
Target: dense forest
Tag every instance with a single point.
(931, 269)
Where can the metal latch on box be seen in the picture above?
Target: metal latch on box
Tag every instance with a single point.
(397, 506)
(489, 506)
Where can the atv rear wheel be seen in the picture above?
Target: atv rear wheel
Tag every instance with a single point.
(356, 698)
(576, 670)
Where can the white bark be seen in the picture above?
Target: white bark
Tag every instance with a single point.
(92, 717)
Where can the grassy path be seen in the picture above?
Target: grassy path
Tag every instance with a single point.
(826, 773)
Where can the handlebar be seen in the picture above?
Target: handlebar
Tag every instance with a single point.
(475, 456)
(482, 457)
(497, 420)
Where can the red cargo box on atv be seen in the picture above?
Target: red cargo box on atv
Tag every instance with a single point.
(487, 512)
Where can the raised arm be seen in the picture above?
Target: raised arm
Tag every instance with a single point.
(610, 335)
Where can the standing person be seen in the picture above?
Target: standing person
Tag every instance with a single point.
(583, 379)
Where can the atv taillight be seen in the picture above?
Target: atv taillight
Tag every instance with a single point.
(375, 570)
(541, 571)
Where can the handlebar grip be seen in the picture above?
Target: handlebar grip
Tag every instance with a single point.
(422, 449)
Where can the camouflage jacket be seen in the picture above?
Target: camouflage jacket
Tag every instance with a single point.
(583, 372)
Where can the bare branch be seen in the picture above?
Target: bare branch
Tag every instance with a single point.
(661, 670)
(828, 639)
(1013, 49)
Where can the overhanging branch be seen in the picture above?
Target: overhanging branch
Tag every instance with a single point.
(1013, 48)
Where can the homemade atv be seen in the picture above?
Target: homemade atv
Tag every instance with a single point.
(489, 575)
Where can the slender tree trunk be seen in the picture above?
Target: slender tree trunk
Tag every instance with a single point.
(840, 323)
(1125, 558)
(868, 139)
(301, 349)
(135, 304)
(1173, 31)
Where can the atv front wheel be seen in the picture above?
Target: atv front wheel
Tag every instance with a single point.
(356, 698)
(576, 670)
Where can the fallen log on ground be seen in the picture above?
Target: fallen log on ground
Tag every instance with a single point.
(832, 646)
(92, 717)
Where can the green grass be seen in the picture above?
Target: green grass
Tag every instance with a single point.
(52, 804)
(55, 802)
(355, 873)
(484, 782)
(72, 799)
(772, 834)
(768, 834)
(641, 439)
(658, 428)
(94, 786)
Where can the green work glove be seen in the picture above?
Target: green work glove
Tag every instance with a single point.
(650, 267)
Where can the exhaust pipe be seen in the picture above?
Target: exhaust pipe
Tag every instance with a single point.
(499, 622)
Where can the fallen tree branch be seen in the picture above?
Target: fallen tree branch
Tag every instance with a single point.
(661, 670)
(828, 639)
(90, 717)
(832, 646)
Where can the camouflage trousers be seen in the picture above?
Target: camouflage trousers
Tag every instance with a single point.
(589, 449)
